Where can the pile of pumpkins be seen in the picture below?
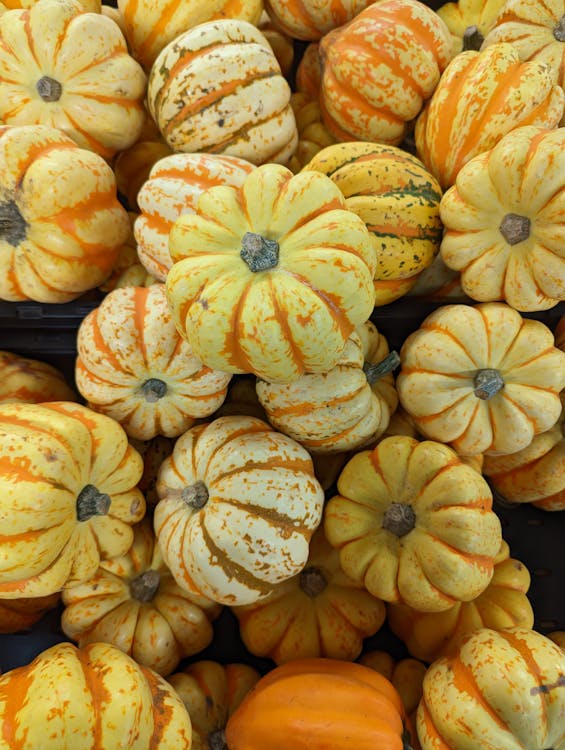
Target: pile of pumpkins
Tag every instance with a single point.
(239, 434)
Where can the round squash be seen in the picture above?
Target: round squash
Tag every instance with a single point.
(61, 224)
(481, 378)
(498, 690)
(122, 705)
(29, 381)
(319, 612)
(273, 277)
(68, 495)
(469, 21)
(238, 505)
(414, 524)
(311, 19)
(218, 88)
(438, 283)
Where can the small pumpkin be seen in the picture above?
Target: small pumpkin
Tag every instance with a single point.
(319, 612)
(310, 19)
(133, 165)
(438, 283)
(128, 269)
(21, 614)
(30, 381)
(469, 21)
(313, 135)
(309, 72)
(481, 378)
(238, 505)
(414, 524)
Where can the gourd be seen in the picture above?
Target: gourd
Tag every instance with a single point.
(30, 381)
(309, 19)
(469, 21)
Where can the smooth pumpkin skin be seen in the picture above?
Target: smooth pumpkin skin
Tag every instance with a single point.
(309, 19)
(320, 612)
(30, 381)
(441, 362)
(96, 697)
(323, 704)
(49, 454)
(499, 689)
(296, 314)
(461, 15)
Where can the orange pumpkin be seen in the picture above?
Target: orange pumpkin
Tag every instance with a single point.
(21, 614)
(30, 381)
(311, 19)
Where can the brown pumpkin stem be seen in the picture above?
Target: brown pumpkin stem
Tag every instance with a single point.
(49, 89)
(13, 227)
(153, 389)
(259, 253)
(399, 519)
(515, 228)
(488, 382)
(559, 30)
(91, 502)
(312, 582)
(196, 495)
(472, 39)
(378, 371)
(144, 587)
(217, 740)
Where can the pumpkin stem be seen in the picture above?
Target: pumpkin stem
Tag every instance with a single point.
(375, 372)
(312, 581)
(153, 389)
(196, 495)
(515, 228)
(217, 740)
(144, 587)
(92, 502)
(259, 254)
(488, 382)
(559, 30)
(49, 89)
(472, 39)
(12, 224)
(399, 519)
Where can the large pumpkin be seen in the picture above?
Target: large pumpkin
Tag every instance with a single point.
(498, 690)
(414, 524)
(68, 495)
(481, 378)
(122, 705)
(61, 224)
(30, 381)
(273, 277)
(238, 505)
(71, 70)
(218, 87)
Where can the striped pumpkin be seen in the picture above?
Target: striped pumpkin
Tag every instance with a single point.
(379, 70)
(481, 97)
(68, 495)
(173, 187)
(399, 201)
(238, 505)
(62, 225)
(469, 21)
(29, 381)
(133, 366)
(311, 19)
(218, 88)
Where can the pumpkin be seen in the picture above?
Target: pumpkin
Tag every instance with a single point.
(482, 96)
(319, 703)
(311, 19)
(122, 704)
(238, 505)
(503, 604)
(153, 452)
(313, 135)
(273, 277)
(152, 24)
(21, 614)
(133, 366)
(319, 612)
(172, 188)
(128, 269)
(309, 72)
(211, 692)
(379, 69)
(71, 70)
(133, 165)
(399, 201)
(345, 408)
(469, 21)
(438, 283)
(281, 44)
(504, 227)
(68, 495)
(133, 603)
(30, 381)
(499, 689)
(414, 524)
(218, 88)
(61, 224)
(112, 12)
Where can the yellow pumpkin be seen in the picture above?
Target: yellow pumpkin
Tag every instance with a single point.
(218, 88)
(319, 612)
(133, 603)
(29, 381)
(133, 366)
(92, 6)
(273, 277)
(469, 21)
(238, 505)
(414, 524)
(68, 495)
(503, 604)
(481, 378)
